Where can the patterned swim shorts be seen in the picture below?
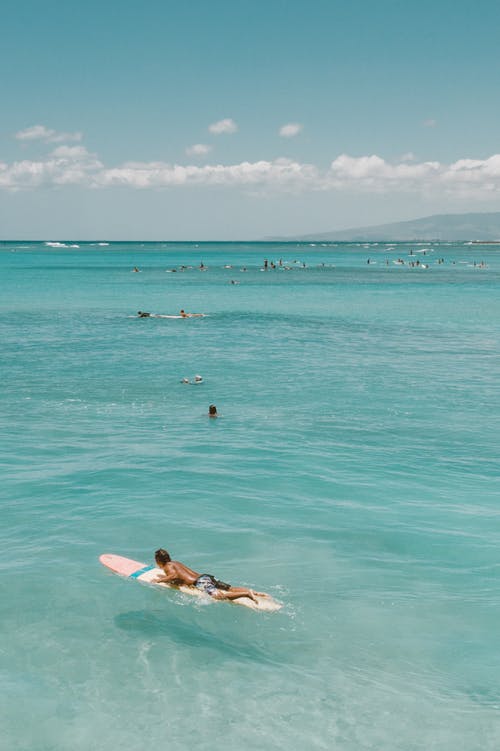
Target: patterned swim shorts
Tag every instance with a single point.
(206, 584)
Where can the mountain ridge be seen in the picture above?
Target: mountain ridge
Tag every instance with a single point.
(483, 226)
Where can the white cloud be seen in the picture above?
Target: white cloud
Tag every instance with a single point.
(70, 152)
(47, 135)
(473, 178)
(408, 156)
(34, 133)
(280, 173)
(375, 171)
(198, 149)
(374, 174)
(223, 126)
(430, 123)
(290, 130)
(69, 165)
(66, 165)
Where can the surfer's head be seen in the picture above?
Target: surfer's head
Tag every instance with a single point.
(162, 557)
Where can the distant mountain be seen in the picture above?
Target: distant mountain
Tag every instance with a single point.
(443, 227)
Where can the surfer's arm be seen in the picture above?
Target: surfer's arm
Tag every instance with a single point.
(176, 574)
(167, 579)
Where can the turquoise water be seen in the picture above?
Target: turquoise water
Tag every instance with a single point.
(353, 475)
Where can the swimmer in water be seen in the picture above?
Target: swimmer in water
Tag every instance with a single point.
(197, 379)
(212, 411)
(141, 314)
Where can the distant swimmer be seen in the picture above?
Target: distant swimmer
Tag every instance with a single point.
(183, 314)
(141, 314)
(136, 270)
(212, 411)
(197, 379)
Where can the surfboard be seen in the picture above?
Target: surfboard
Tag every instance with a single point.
(163, 315)
(145, 574)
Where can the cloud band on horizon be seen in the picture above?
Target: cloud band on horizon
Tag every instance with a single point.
(74, 165)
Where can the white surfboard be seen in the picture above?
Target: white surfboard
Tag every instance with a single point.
(147, 574)
(190, 315)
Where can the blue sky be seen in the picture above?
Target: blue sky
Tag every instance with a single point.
(232, 119)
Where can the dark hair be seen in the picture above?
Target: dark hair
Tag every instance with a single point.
(161, 556)
(212, 410)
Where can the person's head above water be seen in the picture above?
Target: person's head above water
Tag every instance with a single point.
(212, 410)
(162, 557)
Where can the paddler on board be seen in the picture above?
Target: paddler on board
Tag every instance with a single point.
(176, 573)
(183, 314)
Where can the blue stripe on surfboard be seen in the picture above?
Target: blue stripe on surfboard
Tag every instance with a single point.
(141, 571)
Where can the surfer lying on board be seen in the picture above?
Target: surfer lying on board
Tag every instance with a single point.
(183, 314)
(177, 573)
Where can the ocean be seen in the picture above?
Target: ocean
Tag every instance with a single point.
(353, 474)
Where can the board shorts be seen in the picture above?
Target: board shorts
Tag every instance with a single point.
(206, 584)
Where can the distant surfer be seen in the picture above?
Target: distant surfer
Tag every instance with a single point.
(197, 379)
(141, 314)
(183, 314)
(177, 574)
(212, 411)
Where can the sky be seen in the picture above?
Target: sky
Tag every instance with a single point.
(243, 119)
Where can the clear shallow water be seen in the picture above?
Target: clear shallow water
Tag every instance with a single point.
(354, 475)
